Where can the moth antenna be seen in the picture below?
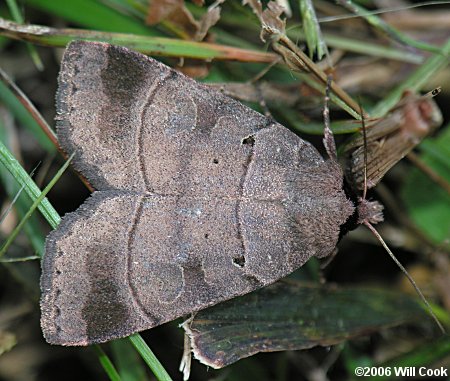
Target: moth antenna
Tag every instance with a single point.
(363, 125)
(411, 280)
(370, 214)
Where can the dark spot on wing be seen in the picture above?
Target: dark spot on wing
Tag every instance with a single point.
(239, 261)
(103, 311)
(249, 140)
(121, 81)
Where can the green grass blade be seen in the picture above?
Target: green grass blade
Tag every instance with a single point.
(363, 47)
(296, 34)
(145, 44)
(415, 82)
(311, 28)
(33, 207)
(17, 16)
(130, 8)
(33, 191)
(21, 204)
(107, 364)
(391, 32)
(148, 356)
(92, 14)
(129, 363)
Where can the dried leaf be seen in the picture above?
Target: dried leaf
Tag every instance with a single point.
(208, 20)
(194, 68)
(391, 138)
(311, 28)
(176, 13)
(287, 7)
(271, 23)
(159, 10)
(255, 5)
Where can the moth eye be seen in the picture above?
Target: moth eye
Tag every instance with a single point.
(206, 235)
(239, 261)
(215, 161)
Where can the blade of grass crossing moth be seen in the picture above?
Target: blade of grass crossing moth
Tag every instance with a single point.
(21, 204)
(16, 197)
(17, 16)
(107, 364)
(128, 361)
(160, 46)
(33, 207)
(148, 356)
(32, 229)
(33, 191)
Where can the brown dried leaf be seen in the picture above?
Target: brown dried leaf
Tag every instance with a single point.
(271, 23)
(391, 138)
(194, 69)
(208, 20)
(176, 13)
(159, 10)
(255, 5)
(287, 7)
(271, 18)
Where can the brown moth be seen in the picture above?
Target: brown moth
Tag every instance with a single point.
(198, 199)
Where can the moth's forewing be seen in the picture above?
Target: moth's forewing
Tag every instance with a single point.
(199, 199)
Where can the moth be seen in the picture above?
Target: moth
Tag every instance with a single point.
(198, 199)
